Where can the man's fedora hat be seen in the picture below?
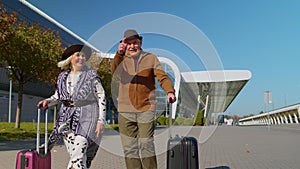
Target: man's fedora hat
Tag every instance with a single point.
(130, 33)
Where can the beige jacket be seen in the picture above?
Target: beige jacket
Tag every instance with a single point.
(137, 83)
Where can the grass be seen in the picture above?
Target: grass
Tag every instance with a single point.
(27, 130)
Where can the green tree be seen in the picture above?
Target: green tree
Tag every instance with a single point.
(32, 53)
(106, 79)
(106, 76)
(102, 65)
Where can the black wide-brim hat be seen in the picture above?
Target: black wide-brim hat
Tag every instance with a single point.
(76, 48)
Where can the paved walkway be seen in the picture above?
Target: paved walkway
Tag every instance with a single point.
(224, 147)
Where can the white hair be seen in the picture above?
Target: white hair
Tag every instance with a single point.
(65, 64)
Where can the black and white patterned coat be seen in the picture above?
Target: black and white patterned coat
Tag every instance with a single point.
(90, 105)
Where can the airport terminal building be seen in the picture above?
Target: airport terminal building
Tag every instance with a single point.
(208, 91)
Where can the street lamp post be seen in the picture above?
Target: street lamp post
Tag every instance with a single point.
(268, 100)
(10, 95)
(10, 98)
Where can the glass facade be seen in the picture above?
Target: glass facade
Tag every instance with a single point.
(162, 104)
(33, 92)
(30, 16)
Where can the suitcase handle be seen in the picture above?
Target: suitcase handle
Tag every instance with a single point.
(170, 117)
(39, 131)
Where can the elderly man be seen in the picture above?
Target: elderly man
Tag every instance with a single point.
(136, 71)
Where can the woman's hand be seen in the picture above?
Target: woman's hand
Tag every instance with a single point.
(99, 128)
(43, 104)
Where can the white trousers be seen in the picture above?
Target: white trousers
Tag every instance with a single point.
(76, 147)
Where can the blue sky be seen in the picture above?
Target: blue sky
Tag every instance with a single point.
(260, 36)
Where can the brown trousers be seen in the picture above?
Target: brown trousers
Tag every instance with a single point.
(137, 136)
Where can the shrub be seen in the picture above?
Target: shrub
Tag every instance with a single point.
(179, 121)
(188, 122)
(113, 126)
(155, 122)
(167, 121)
(161, 120)
(199, 119)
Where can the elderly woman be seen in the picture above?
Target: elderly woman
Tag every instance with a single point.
(81, 117)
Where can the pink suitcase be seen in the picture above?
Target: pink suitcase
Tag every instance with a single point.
(34, 159)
